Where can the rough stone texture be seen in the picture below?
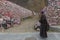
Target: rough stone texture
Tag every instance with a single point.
(14, 11)
(53, 12)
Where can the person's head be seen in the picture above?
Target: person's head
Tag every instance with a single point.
(42, 12)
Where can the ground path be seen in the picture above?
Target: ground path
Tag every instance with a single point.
(26, 26)
(28, 36)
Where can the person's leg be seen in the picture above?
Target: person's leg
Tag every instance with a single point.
(45, 34)
(41, 33)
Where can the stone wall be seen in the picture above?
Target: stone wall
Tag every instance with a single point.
(14, 11)
(52, 12)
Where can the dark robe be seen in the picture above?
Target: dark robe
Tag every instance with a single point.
(44, 26)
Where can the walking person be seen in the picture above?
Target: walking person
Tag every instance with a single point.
(44, 27)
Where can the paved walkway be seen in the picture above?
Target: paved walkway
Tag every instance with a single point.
(28, 36)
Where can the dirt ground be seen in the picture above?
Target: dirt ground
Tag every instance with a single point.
(26, 25)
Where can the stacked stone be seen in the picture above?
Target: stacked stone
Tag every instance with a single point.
(53, 12)
(14, 10)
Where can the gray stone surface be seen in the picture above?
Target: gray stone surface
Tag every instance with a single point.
(28, 36)
(55, 28)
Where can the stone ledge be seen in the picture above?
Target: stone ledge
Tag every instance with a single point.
(56, 28)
